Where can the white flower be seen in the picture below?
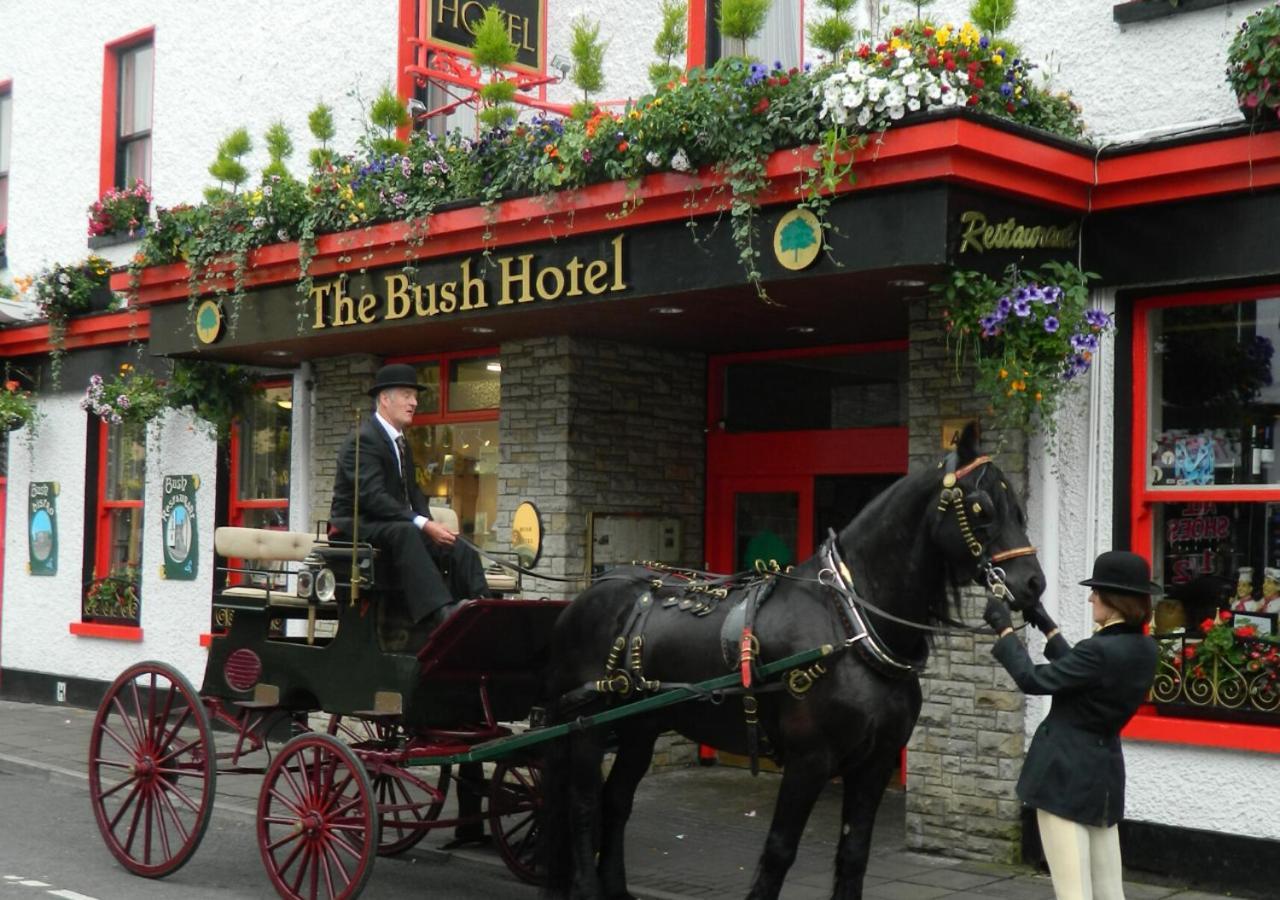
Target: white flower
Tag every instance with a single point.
(913, 104)
(680, 162)
(911, 79)
(259, 222)
(896, 112)
(864, 116)
(266, 190)
(653, 159)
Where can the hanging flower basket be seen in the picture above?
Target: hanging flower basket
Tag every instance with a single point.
(1028, 337)
(17, 407)
(1253, 65)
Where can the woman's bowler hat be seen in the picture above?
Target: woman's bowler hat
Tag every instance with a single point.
(1122, 572)
(396, 375)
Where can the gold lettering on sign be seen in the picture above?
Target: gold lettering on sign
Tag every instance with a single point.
(517, 279)
(978, 235)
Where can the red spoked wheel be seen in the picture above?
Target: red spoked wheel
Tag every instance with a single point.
(152, 769)
(317, 823)
(408, 798)
(515, 798)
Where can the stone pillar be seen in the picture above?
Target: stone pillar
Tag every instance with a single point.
(965, 755)
(338, 392)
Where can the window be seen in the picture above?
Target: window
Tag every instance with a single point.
(113, 591)
(860, 389)
(126, 111)
(781, 39)
(261, 444)
(1206, 497)
(454, 439)
(6, 131)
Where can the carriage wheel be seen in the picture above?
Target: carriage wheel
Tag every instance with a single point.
(408, 798)
(515, 798)
(317, 826)
(152, 769)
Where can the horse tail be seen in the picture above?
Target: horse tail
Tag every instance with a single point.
(554, 819)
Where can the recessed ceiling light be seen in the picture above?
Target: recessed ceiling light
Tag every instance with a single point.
(907, 282)
(478, 329)
(801, 329)
(667, 310)
(277, 353)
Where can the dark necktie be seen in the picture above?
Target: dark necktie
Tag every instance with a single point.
(403, 448)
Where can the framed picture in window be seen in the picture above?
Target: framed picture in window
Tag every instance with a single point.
(1265, 623)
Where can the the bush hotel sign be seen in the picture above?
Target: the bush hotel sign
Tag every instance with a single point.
(452, 24)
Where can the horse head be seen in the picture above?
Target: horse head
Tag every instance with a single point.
(981, 528)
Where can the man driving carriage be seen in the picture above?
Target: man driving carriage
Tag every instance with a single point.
(435, 569)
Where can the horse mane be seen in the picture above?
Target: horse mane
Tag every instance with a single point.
(893, 531)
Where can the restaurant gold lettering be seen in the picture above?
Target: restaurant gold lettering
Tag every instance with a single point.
(979, 235)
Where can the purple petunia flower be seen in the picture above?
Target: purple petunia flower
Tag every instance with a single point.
(990, 326)
(1022, 307)
(1097, 318)
(1051, 324)
(1003, 307)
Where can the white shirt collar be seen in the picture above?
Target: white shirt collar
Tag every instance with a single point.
(391, 430)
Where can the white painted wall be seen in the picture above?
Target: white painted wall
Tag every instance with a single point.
(38, 610)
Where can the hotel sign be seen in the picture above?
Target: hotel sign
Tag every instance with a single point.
(512, 281)
(452, 24)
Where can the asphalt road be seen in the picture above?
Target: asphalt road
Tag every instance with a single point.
(50, 846)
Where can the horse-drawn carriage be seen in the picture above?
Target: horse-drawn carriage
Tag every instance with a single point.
(402, 727)
(816, 665)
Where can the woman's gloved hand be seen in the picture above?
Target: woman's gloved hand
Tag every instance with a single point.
(1037, 617)
(997, 614)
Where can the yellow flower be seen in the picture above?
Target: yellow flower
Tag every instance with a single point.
(969, 36)
(1004, 373)
(943, 35)
(1019, 385)
(360, 205)
(998, 59)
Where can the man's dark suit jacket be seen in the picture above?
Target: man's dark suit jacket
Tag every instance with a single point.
(1075, 767)
(382, 490)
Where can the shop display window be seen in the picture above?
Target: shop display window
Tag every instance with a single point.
(113, 594)
(1207, 498)
(454, 438)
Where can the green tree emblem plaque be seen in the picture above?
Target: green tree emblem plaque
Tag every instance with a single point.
(797, 239)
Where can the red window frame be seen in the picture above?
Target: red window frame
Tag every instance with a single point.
(102, 548)
(1148, 725)
(696, 55)
(441, 415)
(6, 94)
(236, 508)
(109, 138)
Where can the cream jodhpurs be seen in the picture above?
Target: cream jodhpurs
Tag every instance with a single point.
(1084, 860)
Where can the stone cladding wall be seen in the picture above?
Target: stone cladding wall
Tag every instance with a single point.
(966, 752)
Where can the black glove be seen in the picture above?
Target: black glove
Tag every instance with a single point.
(997, 615)
(1039, 618)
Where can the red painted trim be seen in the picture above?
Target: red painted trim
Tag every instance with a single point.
(441, 415)
(950, 150)
(87, 331)
(407, 50)
(720, 513)
(840, 451)
(207, 638)
(1242, 163)
(1147, 725)
(696, 52)
(110, 95)
(109, 632)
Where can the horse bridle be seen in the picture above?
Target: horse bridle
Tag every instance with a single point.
(952, 498)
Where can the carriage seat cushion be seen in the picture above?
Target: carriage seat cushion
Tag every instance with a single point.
(263, 543)
(274, 598)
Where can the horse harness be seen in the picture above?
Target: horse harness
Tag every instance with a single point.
(699, 594)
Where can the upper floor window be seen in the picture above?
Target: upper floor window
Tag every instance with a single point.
(6, 132)
(454, 438)
(781, 39)
(126, 111)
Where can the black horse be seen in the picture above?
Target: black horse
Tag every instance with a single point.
(867, 594)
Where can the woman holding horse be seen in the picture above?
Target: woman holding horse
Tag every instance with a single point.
(1074, 773)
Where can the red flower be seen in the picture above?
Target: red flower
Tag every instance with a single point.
(11, 385)
(928, 31)
(962, 54)
(973, 101)
(772, 82)
(888, 61)
(1189, 652)
(897, 32)
(623, 146)
(978, 82)
(951, 65)
(1206, 624)
(1008, 105)
(1246, 631)
(863, 51)
(784, 80)
(881, 47)
(761, 106)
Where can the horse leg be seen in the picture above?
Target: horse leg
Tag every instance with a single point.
(581, 830)
(865, 782)
(802, 781)
(635, 752)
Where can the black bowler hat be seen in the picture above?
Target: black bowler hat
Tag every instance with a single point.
(1122, 572)
(396, 375)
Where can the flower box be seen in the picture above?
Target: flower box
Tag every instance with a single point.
(1145, 10)
(98, 241)
(1232, 673)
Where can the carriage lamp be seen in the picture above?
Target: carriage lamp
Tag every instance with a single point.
(326, 585)
(305, 583)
